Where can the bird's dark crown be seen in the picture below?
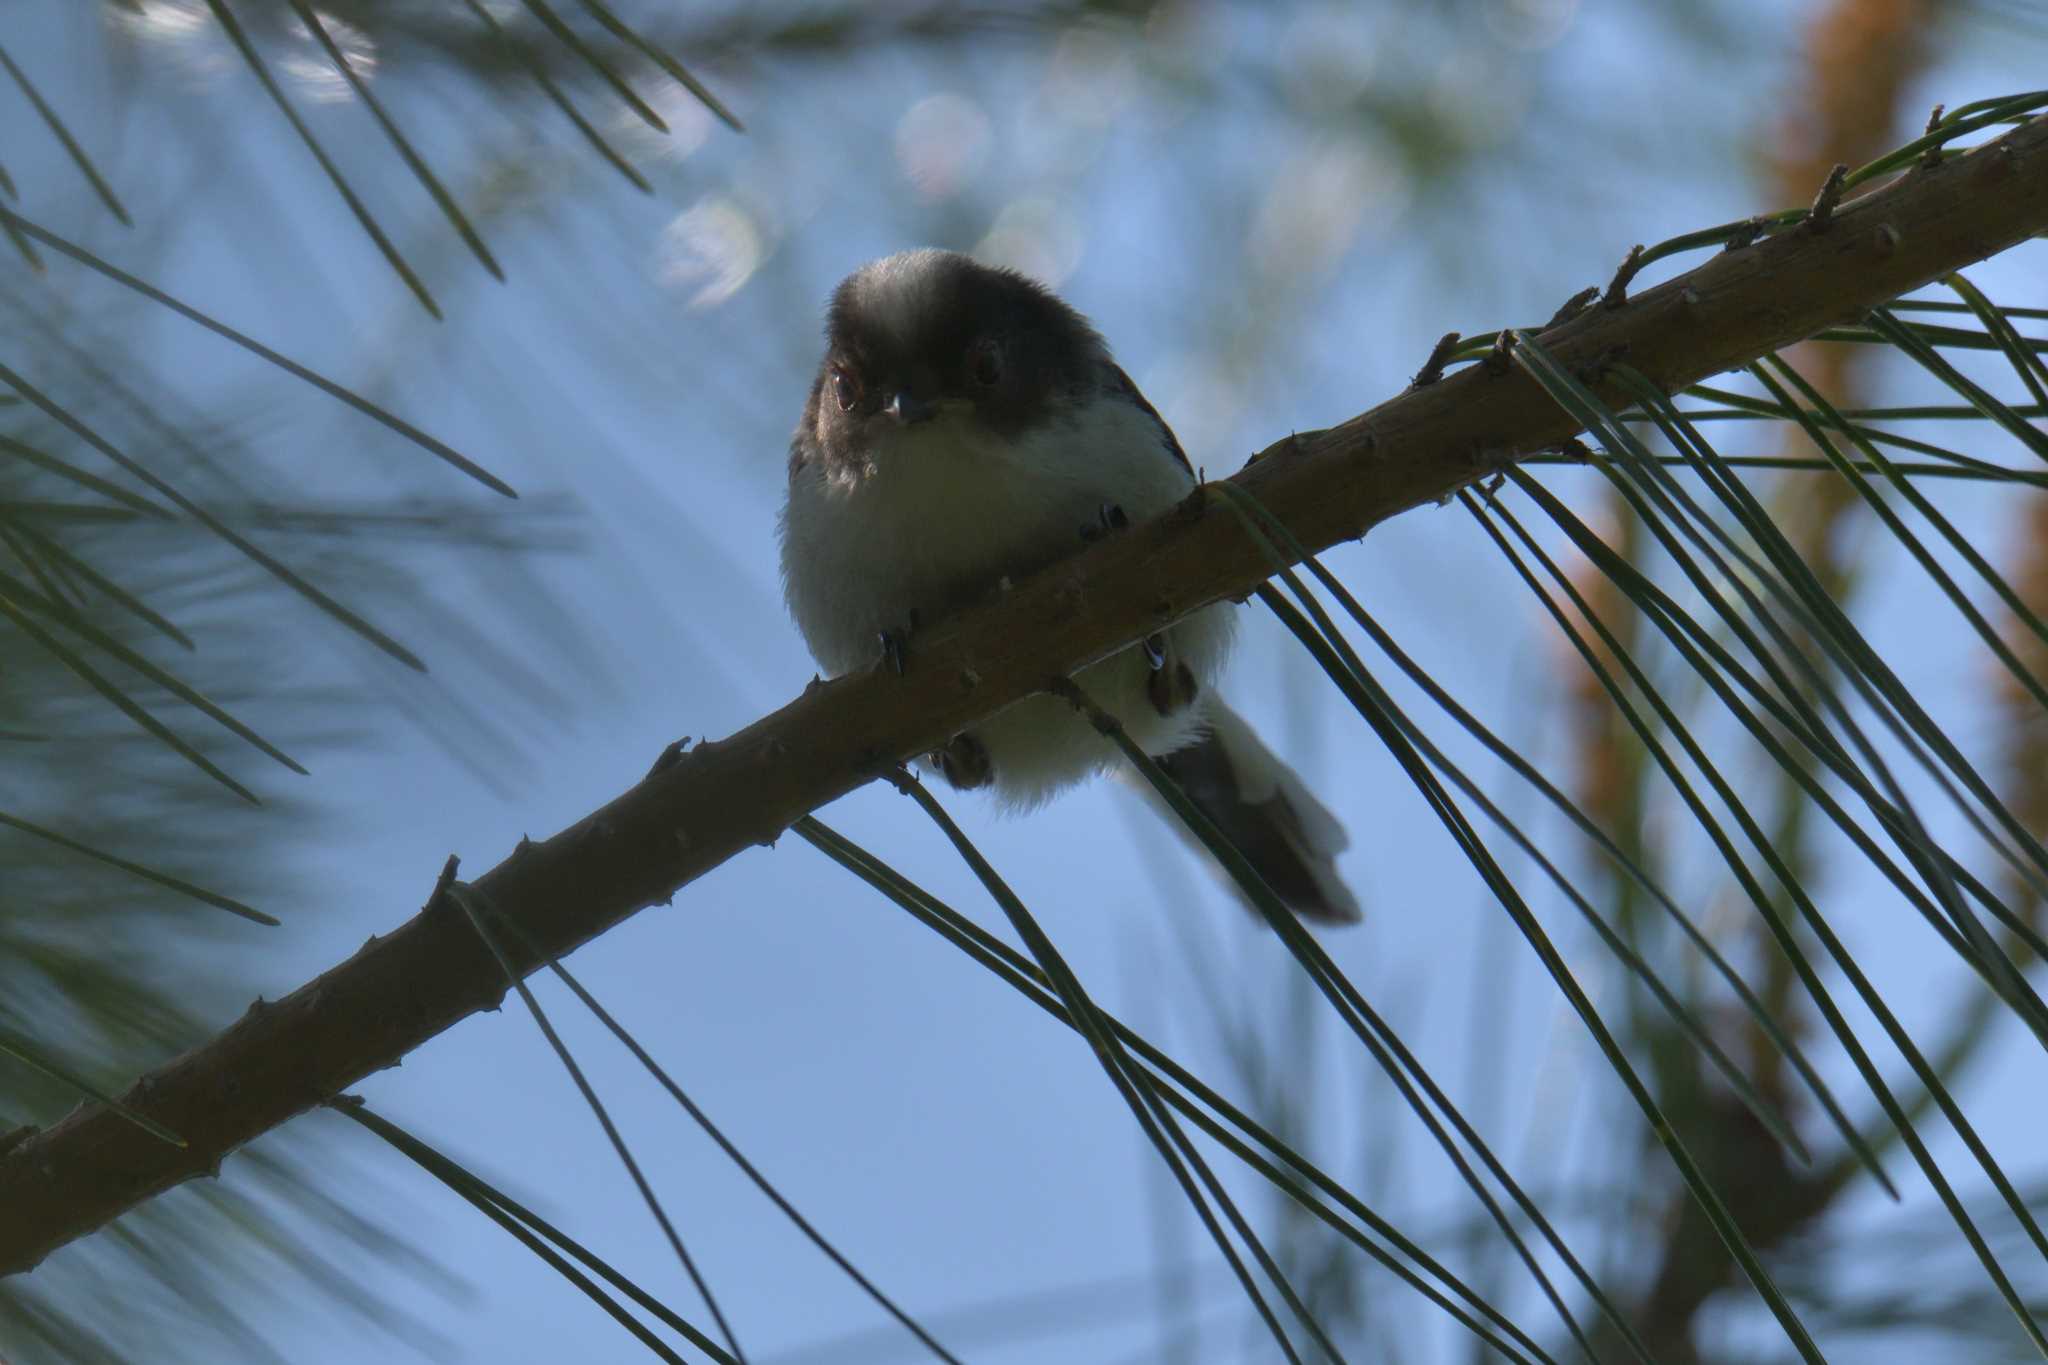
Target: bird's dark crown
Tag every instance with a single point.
(932, 306)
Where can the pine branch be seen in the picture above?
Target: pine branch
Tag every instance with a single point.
(716, 800)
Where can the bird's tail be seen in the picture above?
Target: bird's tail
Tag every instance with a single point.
(1287, 835)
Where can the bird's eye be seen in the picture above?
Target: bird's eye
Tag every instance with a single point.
(845, 388)
(985, 363)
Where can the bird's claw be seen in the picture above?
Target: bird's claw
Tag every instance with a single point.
(896, 643)
(1108, 517)
(892, 651)
(964, 762)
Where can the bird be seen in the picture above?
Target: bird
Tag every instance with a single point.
(967, 427)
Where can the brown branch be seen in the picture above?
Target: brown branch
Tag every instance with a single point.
(716, 800)
(1624, 275)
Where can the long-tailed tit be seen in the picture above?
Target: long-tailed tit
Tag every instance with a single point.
(966, 426)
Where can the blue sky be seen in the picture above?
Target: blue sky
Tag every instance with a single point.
(1256, 273)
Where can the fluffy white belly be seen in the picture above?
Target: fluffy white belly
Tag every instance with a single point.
(941, 518)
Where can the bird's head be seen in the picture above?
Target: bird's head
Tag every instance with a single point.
(933, 350)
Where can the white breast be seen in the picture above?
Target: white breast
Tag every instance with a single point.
(942, 514)
(946, 510)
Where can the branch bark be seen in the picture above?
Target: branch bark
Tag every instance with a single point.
(399, 990)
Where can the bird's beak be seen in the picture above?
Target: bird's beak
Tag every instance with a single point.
(908, 409)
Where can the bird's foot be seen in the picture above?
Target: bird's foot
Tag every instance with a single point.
(1108, 517)
(896, 643)
(1172, 686)
(964, 762)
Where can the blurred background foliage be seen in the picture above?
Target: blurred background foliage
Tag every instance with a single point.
(1272, 210)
